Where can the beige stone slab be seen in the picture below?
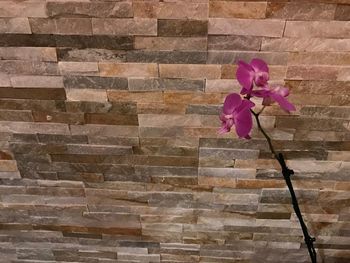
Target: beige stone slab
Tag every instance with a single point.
(222, 85)
(344, 74)
(234, 9)
(128, 69)
(78, 68)
(8, 166)
(19, 25)
(61, 26)
(22, 9)
(305, 43)
(37, 81)
(138, 97)
(170, 10)
(28, 53)
(136, 26)
(190, 120)
(32, 128)
(86, 95)
(193, 98)
(5, 80)
(339, 156)
(171, 43)
(319, 58)
(105, 130)
(252, 27)
(323, 29)
(312, 72)
(190, 71)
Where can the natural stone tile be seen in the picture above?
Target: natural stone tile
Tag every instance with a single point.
(37, 81)
(203, 109)
(301, 99)
(323, 29)
(190, 71)
(111, 119)
(98, 107)
(58, 117)
(176, 28)
(32, 104)
(27, 40)
(304, 44)
(237, 9)
(222, 85)
(319, 58)
(309, 123)
(338, 156)
(318, 87)
(15, 115)
(5, 80)
(297, 11)
(156, 108)
(61, 26)
(90, 9)
(342, 12)
(128, 69)
(312, 72)
(78, 68)
(154, 84)
(196, 98)
(22, 9)
(95, 82)
(86, 95)
(171, 43)
(90, 55)
(33, 93)
(104, 130)
(114, 26)
(30, 128)
(340, 100)
(170, 10)
(326, 112)
(28, 67)
(28, 53)
(19, 25)
(232, 57)
(250, 27)
(170, 57)
(343, 74)
(234, 43)
(54, 138)
(8, 166)
(137, 97)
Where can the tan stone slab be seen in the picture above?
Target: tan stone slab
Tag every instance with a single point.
(171, 43)
(28, 53)
(252, 27)
(190, 71)
(5, 80)
(86, 95)
(136, 26)
(237, 9)
(339, 156)
(78, 68)
(222, 85)
(314, 99)
(15, 26)
(22, 9)
(61, 26)
(128, 69)
(37, 81)
(8, 166)
(192, 120)
(138, 97)
(193, 98)
(32, 128)
(105, 130)
(323, 29)
(312, 72)
(344, 74)
(170, 10)
(319, 58)
(305, 43)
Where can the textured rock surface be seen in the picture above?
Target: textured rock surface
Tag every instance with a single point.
(109, 149)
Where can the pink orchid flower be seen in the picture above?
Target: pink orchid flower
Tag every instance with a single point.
(237, 112)
(256, 72)
(275, 94)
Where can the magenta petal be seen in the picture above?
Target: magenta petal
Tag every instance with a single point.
(244, 123)
(261, 93)
(259, 65)
(245, 75)
(245, 105)
(232, 101)
(283, 91)
(283, 102)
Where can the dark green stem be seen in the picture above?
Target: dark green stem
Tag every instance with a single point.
(286, 174)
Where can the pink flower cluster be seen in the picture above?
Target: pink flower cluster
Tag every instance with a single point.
(253, 78)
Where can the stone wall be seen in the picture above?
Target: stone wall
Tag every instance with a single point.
(108, 131)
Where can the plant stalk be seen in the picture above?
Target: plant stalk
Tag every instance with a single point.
(286, 174)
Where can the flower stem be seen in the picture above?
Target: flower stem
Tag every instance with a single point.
(286, 174)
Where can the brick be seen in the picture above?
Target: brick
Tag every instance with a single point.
(136, 26)
(22, 9)
(322, 29)
(61, 26)
(28, 53)
(94, 9)
(86, 95)
(78, 68)
(176, 28)
(18, 25)
(37, 81)
(95, 82)
(128, 69)
(234, 43)
(190, 71)
(342, 13)
(236, 26)
(170, 57)
(306, 44)
(170, 10)
(91, 55)
(237, 9)
(298, 11)
(171, 43)
(33, 93)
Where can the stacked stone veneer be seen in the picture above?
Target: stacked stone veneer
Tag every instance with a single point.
(108, 131)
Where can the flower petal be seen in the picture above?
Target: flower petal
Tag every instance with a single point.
(259, 65)
(283, 102)
(283, 91)
(232, 101)
(245, 105)
(244, 123)
(245, 75)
